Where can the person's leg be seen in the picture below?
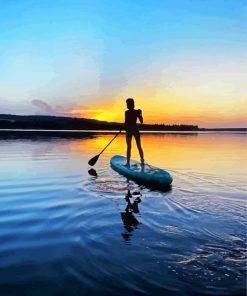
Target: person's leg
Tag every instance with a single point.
(128, 142)
(139, 146)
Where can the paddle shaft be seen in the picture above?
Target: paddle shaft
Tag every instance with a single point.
(110, 142)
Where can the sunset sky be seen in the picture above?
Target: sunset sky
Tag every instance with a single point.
(183, 61)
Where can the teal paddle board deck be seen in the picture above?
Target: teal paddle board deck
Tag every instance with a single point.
(147, 175)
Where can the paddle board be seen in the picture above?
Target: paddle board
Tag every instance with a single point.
(144, 174)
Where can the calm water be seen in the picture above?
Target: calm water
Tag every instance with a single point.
(65, 232)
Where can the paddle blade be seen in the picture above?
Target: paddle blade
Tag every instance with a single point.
(93, 160)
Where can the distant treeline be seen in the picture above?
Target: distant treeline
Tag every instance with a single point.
(68, 123)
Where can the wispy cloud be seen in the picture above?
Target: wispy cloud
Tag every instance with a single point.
(72, 109)
(44, 107)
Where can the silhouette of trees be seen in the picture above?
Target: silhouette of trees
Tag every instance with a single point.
(69, 123)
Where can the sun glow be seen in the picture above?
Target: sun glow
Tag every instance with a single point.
(191, 71)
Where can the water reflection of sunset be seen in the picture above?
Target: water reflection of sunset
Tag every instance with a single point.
(201, 152)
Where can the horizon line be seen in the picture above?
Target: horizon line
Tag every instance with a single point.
(49, 115)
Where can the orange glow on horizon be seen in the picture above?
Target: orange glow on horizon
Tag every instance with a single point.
(171, 111)
(206, 99)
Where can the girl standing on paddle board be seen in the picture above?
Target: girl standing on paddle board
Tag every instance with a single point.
(131, 129)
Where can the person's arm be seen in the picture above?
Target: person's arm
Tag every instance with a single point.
(140, 116)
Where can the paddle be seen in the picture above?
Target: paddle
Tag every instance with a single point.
(93, 160)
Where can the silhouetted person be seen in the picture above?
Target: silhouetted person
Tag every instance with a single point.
(132, 129)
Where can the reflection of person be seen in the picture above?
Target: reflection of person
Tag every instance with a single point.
(133, 207)
(131, 128)
(129, 220)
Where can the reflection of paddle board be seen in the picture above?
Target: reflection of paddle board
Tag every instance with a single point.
(146, 175)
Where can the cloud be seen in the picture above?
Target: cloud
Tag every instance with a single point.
(71, 109)
(46, 108)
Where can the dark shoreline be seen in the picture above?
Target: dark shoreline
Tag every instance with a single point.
(53, 126)
(41, 122)
(8, 134)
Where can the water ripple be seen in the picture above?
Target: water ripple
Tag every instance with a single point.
(63, 231)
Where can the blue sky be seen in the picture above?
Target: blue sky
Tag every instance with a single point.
(87, 55)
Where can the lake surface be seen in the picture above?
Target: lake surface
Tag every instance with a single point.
(66, 232)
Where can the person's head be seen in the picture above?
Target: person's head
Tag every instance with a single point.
(130, 103)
